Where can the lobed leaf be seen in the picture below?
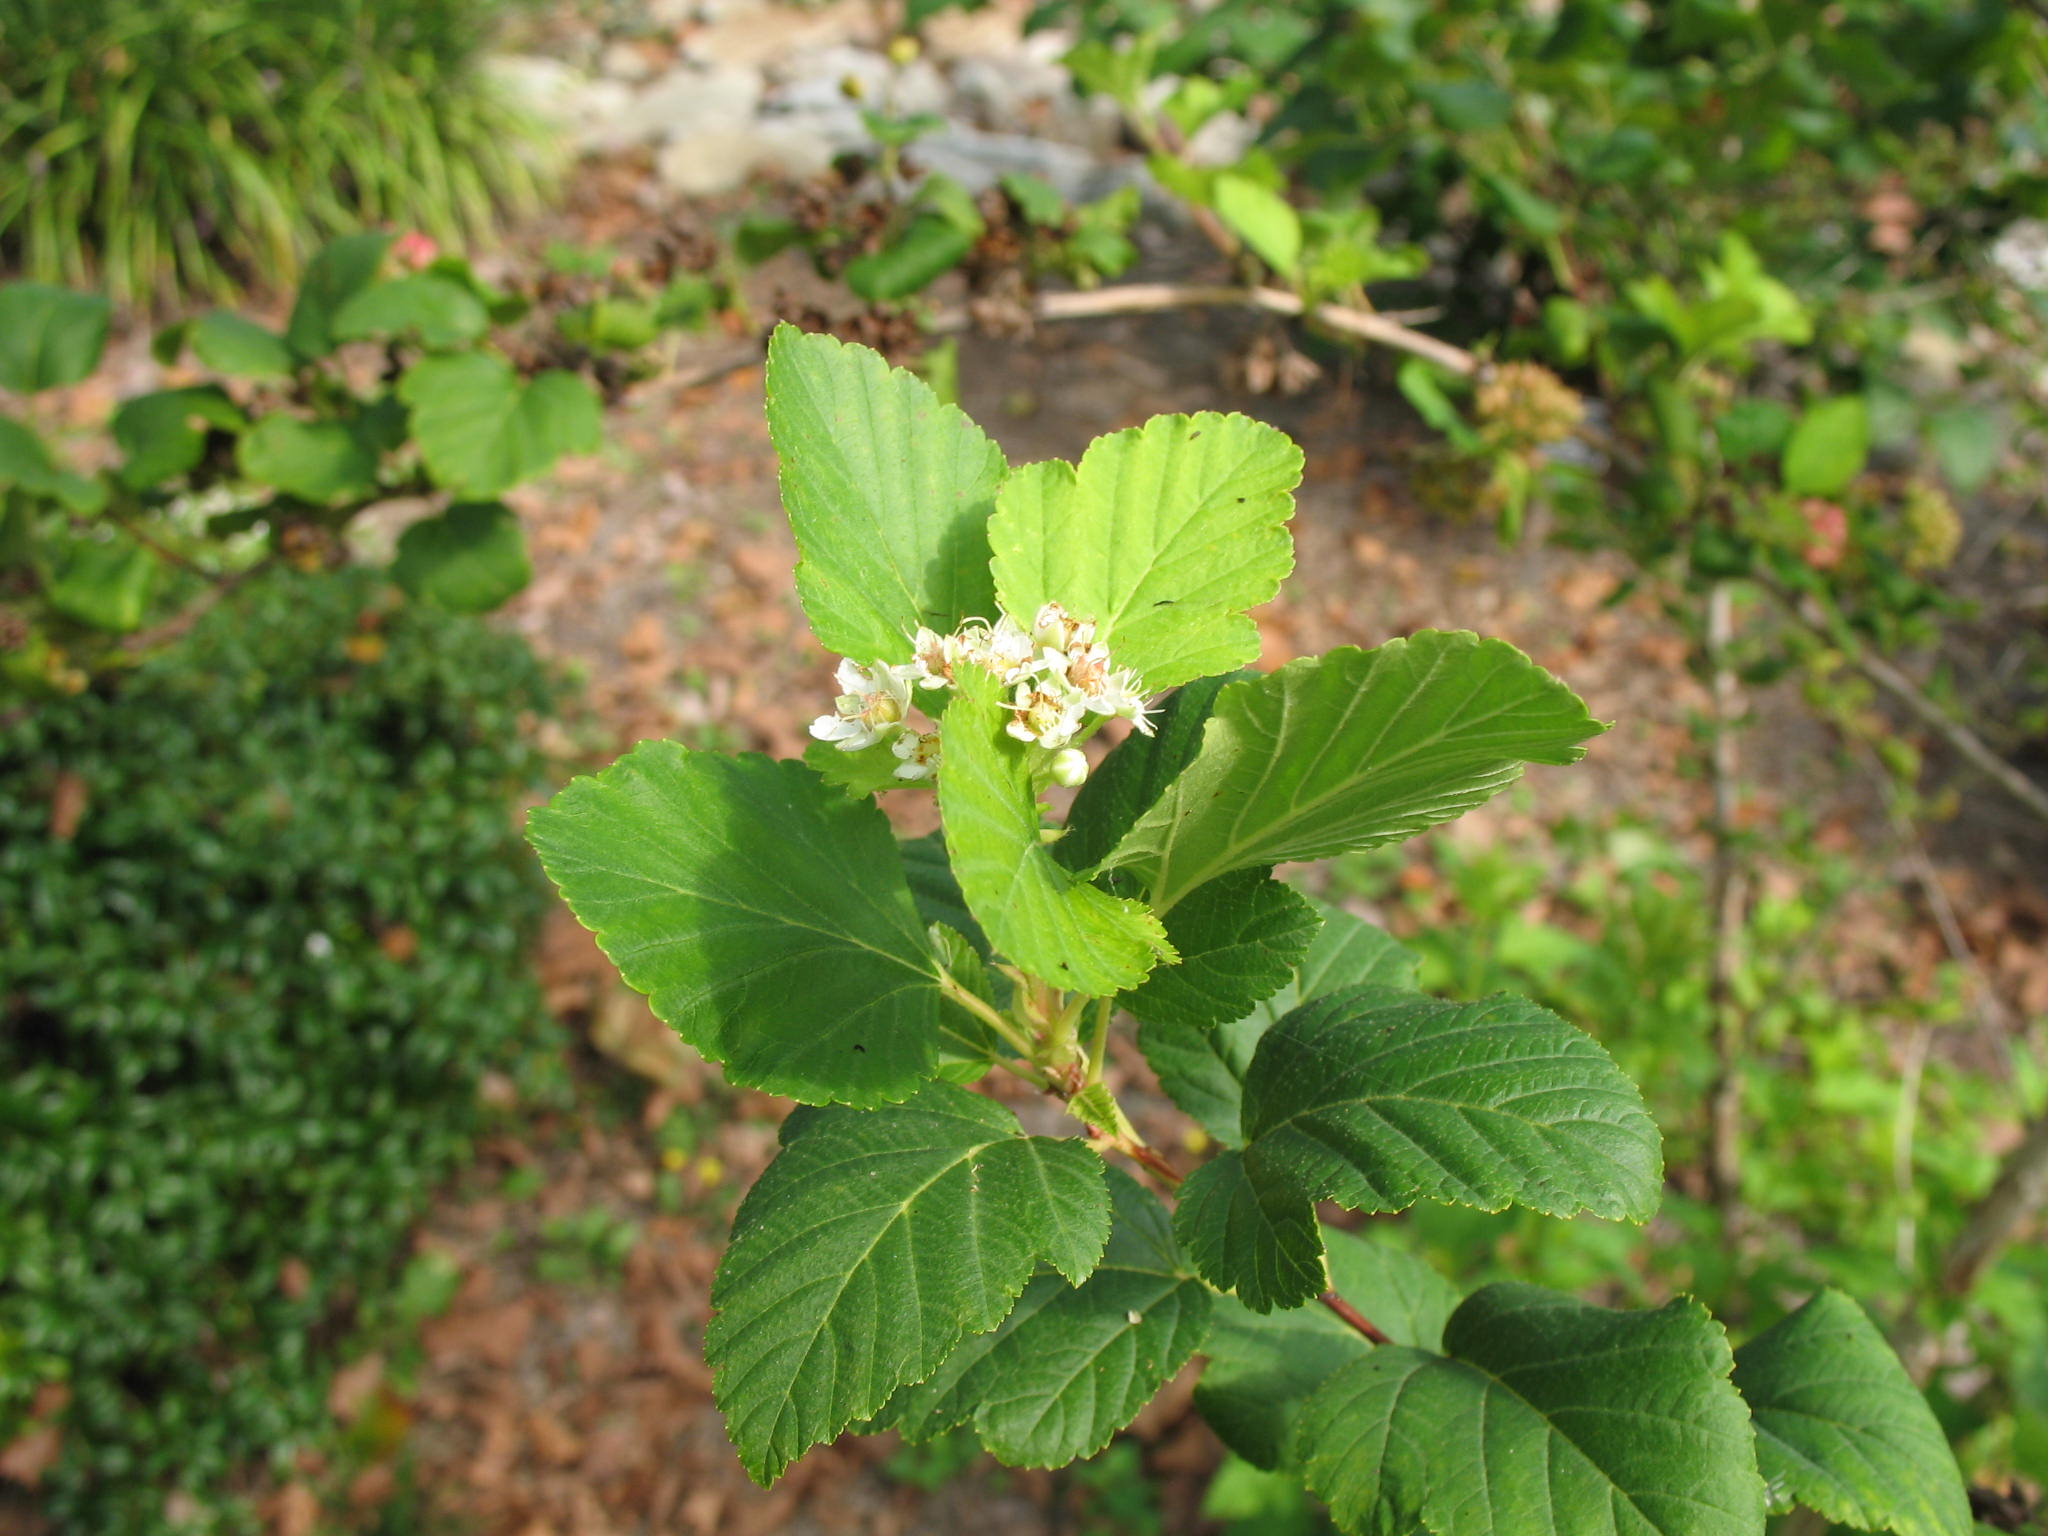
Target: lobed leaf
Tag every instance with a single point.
(1203, 1070)
(1042, 917)
(482, 430)
(888, 492)
(874, 1243)
(1376, 1098)
(763, 912)
(1164, 535)
(1072, 1365)
(1543, 1414)
(1350, 750)
(1841, 1428)
(1262, 1366)
(1239, 938)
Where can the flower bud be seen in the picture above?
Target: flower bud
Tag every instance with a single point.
(1069, 767)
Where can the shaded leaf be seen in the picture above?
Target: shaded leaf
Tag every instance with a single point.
(240, 348)
(763, 912)
(163, 434)
(1239, 938)
(469, 559)
(1133, 777)
(872, 1245)
(332, 278)
(437, 312)
(49, 336)
(1258, 1241)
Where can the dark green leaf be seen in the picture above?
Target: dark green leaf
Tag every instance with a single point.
(469, 559)
(1133, 777)
(932, 246)
(437, 312)
(763, 912)
(1841, 1428)
(1238, 938)
(325, 462)
(872, 1246)
(332, 278)
(163, 435)
(1376, 1098)
(1259, 1241)
(1543, 1415)
(241, 348)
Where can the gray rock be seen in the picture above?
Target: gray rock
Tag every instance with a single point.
(686, 102)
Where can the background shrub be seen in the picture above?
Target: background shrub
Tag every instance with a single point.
(162, 144)
(244, 1009)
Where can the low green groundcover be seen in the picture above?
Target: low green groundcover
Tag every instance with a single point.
(265, 919)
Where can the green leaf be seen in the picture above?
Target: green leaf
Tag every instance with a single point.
(163, 435)
(1072, 1365)
(929, 869)
(1037, 199)
(1376, 1099)
(240, 348)
(482, 431)
(1164, 536)
(1133, 777)
(1543, 1415)
(1420, 386)
(1203, 1070)
(1968, 440)
(931, 247)
(1263, 219)
(437, 311)
(325, 462)
(1263, 1365)
(888, 493)
(865, 772)
(342, 269)
(1753, 427)
(762, 911)
(104, 582)
(1841, 1428)
(872, 1245)
(1239, 938)
(25, 462)
(1034, 911)
(1257, 1240)
(1350, 750)
(49, 336)
(1828, 447)
(469, 559)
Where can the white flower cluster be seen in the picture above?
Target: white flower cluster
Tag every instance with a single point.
(1059, 672)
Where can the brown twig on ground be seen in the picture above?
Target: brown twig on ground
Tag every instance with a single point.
(1729, 901)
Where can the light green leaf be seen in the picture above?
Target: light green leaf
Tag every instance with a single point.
(872, 1245)
(1828, 448)
(866, 772)
(1256, 1240)
(1072, 1365)
(1263, 1365)
(1203, 1070)
(1350, 750)
(25, 461)
(49, 336)
(1841, 1428)
(436, 311)
(1419, 385)
(1238, 938)
(1132, 778)
(1542, 1415)
(325, 462)
(469, 559)
(1263, 219)
(333, 277)
(762, 911)
(888, 493)
(163, 434)
(931, 247)
(1034, 911)
(1376, 1099)
(1165, 535)
(1969, 440)
(482, 431)
(102, 581)
(240, 348)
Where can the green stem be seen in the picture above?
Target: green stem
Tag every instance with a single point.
(1098, 1042)
(980, 1008)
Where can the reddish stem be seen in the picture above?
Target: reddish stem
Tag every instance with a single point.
(1354, 1318)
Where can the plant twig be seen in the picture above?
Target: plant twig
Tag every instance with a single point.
(178, 623)
(1352, 1316)
(1966, 743)
(2013, 1199)
(1729, 900)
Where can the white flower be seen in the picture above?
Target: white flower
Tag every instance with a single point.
(1121, 694)
(1011, 650)
(870, 706)
(919, 751)
(1057, 628)
(1069, 767)
(936, 657)
(1050, 719)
